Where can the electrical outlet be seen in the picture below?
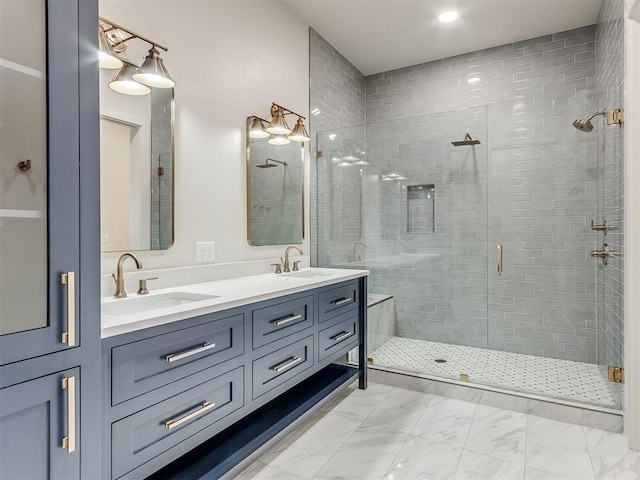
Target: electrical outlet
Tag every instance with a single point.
(205, 252)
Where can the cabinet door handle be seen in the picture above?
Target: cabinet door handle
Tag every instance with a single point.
(341, 336)
(174, 357)
(287, 364)
(206, 406)
(283, 320)
(69, 442)
(499, 259)
(69, 337)
(341, 301)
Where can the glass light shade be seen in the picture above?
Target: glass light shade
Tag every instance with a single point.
(278, 125)
(361, 161)
(107, 57)
(299, 132)
(279, 140)
(153, 73)
(256, 129)
(124, 83)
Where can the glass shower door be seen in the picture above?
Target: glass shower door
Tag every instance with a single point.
(543, 325)
(420, 228)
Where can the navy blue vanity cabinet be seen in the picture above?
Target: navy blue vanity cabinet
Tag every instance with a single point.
(207, 391)
(49, 240)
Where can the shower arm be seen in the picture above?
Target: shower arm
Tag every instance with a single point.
(603, 112)
(277, 161)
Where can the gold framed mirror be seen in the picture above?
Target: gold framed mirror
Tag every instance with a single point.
(275, 191)
(136, 169)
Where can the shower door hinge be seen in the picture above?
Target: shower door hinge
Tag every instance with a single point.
(319, 154)
(616, 374)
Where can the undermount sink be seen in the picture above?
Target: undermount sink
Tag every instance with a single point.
(130, 306)
(307, 274)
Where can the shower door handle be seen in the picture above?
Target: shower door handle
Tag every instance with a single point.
(499, 259)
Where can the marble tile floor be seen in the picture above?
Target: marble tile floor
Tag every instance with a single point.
(389, 433)
(560, 379)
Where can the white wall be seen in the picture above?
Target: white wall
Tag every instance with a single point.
(632, 225)
(230, 59)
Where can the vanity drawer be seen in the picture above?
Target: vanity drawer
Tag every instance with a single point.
(145, 365)
(278, 367)
(144, 435)
(277, 321)
(342, 334)
(338, 300)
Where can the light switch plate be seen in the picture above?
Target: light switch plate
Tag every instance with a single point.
(205, 252)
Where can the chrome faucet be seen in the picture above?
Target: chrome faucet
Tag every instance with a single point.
(119, 278)
(286, 257)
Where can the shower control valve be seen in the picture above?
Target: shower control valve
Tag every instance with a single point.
(605, 253)
(604, 227)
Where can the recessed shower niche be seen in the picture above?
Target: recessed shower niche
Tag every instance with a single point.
(421, 208)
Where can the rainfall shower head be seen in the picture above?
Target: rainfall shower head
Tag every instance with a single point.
(467, 141)
(266, 163)
(614, 117)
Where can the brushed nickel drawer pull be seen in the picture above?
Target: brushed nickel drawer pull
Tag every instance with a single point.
(283, 320)
(341, 301)
(174, 357)
(69, 442)
(287, 364)
(69, 337)
(341, 336)
(206, 406)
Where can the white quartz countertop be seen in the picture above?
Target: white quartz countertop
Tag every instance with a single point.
(216, 296)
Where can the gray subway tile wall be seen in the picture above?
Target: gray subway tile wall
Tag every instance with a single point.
(336, 103)
(532, 184)
(610, 83)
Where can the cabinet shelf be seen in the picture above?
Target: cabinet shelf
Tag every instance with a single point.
(7, 213)
(16, 67)
(217, 456)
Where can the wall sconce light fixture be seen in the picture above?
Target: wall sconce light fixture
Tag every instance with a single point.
(152, 72)
(124, 82)
(277, 129)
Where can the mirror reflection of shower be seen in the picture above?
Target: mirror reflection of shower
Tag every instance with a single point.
(266, 163)
(614, 117)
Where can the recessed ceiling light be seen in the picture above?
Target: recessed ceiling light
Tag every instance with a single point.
(448, 17)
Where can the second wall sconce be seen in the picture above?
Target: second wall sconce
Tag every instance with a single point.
(277, 129)
(131, 79)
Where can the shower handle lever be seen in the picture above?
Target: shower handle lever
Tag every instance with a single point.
(499, 259)
(604, 254)
(604, 227)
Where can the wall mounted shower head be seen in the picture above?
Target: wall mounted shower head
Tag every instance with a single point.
(266, 163)
(584, 124)
(467, 141)
(614, 117)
